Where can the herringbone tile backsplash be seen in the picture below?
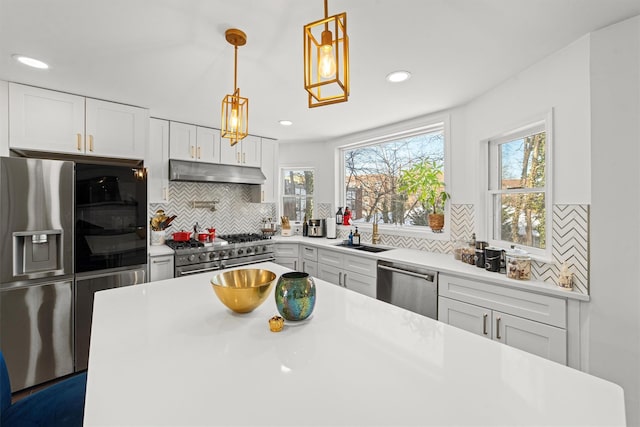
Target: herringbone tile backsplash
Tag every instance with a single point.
(234, 212)
(570, 241)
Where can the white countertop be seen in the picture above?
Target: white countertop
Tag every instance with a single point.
(443, 263)
(158, 250)
(169, 353)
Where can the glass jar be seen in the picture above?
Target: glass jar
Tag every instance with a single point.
(518, 264)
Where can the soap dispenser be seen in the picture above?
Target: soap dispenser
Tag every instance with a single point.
(356, 237)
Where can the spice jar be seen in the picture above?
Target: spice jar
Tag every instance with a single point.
(518, 264)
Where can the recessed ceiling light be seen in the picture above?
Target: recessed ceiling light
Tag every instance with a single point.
(398, 76)
(285, 122)
(31, 62)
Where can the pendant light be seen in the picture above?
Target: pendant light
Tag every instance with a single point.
(235, 109)
(326, 60)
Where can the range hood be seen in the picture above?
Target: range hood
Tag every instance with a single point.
(180, 170)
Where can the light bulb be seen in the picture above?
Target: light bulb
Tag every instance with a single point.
(327, 63)
(233, 122)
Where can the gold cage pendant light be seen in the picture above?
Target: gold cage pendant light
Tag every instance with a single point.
(235, 109)
(326, 60)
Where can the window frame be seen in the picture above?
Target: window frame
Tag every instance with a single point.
(281, 171)
(491, 186)
(387, 134)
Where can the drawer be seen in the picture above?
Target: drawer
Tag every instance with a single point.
(286, 249)
(328, 257)
(362, 265)
(310, 253)
(541, 308)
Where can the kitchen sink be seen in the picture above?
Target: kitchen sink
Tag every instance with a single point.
(365, 248)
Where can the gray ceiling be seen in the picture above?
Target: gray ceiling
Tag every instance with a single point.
(171, 55)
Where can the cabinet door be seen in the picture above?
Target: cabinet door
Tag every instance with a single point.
(330, 258)
(269, 168)
(310, 267)
(229, 155)
(208, 145)
(330, 274)
(534, 337)
(286, 250)
(160, 267)
(289, 262)
(361, 283)
(45, 120)
(309, 253)
(182, 141)
(251, 151)
(360, 264)
(465, 316)
(156, 161)
(115, 130)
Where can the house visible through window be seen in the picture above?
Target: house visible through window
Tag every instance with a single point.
(297, 193)
(372, 174)
(519, 187)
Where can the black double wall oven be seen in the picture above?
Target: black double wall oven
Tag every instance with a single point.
(110, 238)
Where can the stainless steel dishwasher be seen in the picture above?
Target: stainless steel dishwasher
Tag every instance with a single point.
(409, 287)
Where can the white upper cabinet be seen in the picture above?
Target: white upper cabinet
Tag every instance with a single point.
(194, 143)
(208, 145)
(268, 165)
(115, 130)
(157, 161)
(245, 153)
(50, 121)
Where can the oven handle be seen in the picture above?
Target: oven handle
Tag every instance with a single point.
(202, 270)
(427, 277)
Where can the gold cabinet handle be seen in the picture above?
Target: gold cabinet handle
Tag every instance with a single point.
(484, 323)
(498, 328)
(192, 150)
(79, 137)
(199, 153)
(263, 195)
(90, 142)
(244, 158)
(238, 156)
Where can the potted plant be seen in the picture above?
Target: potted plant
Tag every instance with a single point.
(423, 181)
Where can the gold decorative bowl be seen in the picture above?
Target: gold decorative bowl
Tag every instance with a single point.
(243, 290)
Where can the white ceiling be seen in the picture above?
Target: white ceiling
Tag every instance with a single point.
(171, 55)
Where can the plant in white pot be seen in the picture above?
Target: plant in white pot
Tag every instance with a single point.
(423, 181)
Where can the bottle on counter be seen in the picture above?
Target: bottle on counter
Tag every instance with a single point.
(339, 216)
(305, 226)
(356, 237)
(351, 238)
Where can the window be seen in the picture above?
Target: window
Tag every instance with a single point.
(372, 174)
(519, 198)
(297, 193)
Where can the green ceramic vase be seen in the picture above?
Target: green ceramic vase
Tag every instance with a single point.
(295, 295)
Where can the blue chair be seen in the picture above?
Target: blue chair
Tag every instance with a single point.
(61, 404)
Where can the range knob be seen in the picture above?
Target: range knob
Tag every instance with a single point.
(240, 251)
(192, 257)
(212, 255)
(249, 250)
(264, 248)
(222, 254)
(203, 257)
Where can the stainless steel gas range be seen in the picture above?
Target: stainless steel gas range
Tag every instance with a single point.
(229, 250)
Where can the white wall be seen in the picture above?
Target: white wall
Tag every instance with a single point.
(559, 82)
(612, 317)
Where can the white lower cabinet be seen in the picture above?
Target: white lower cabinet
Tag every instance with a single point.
(309, 259)
(287, 255)
(160, 267)
(351, 271)
(527, 321)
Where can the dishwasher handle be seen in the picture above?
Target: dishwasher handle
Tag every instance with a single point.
(427, 277)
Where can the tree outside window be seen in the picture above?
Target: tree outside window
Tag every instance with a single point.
(372, 177)
(519, 189)
(297, 194)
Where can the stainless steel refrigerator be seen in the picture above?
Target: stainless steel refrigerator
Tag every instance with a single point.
(36, 269)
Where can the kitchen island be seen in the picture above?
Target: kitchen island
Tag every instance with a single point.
(169, 353)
